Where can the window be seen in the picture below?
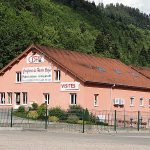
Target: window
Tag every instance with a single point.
(46, 98)
(17, 96)
(96, 100)
(57, 75)
(2, 98)
(141, 101)
(9, 97)
(73, 98)
(18, 77)
(25, 98)
(132, 101)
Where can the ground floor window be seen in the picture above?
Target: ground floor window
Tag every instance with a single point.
(96, 100)
(73, 98)
(9, 97)
(46, 98)
(2, 97)
(24, 94)
(17, 97)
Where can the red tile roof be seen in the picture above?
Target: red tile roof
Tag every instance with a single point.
(143, 70)
(93, 69)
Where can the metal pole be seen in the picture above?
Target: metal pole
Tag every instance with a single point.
(11, 118)
(138, 125)
(83, 121)
(115, 121)
(46, 116)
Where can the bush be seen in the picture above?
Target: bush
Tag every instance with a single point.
(34, 106)
(21, 109)
(41, 111)
(58, 112)
(33, 114)
(53, 119)
(72, 119)
(76, 110)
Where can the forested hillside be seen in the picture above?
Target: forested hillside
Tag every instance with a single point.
(113, 31)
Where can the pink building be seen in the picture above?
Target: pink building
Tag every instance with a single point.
(62, 78)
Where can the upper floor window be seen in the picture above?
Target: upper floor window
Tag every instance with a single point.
(25, 98)
(18, 77)
(9, 97)
(132, 101)
(141, 101)
(2, 98)
(96, 100)
(57, 75)
(73, 98)
(46, 98)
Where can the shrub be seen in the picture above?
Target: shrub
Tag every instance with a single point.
(34, 106)
(58, 112)
(86, 115)
(72, 119)
(33, 114)
(53, 119)
(21, 109)
(76, 110)
(41, 111)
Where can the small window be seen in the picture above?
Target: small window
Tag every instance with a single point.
(18, 77)
(73, 98)
(57, 75)
(2, 97)
(25, 98)
(9, 97)
(141, 101)
(17, 96)
(132, 101)
(46, 98)
(96, 100)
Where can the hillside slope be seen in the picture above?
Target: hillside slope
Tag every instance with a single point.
(115, 31)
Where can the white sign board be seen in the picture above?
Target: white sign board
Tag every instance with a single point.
(35, 59)
(69, 86)
(37, 74)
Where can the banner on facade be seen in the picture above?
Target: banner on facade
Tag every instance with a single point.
(35, 59)
(69, 86)
(37, 74)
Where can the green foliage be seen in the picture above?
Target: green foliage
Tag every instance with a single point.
(34, 106)
(115, 31)
(58, 112)
(72, 119)
(41, 111)
(32, 114)
(21, 109)
(53, 119)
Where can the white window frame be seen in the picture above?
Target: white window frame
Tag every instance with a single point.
(9, 94)
(46, 98)
(24, 98)
(18, 77)
(96, 100)
(73, 98)
(141, 102)
(132, 99)
(2, 98)
(57, 75)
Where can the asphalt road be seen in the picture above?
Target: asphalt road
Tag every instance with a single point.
(43, 140)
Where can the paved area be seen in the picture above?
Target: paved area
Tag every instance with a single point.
(43, 140)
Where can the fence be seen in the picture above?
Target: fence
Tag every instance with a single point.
(74, 119)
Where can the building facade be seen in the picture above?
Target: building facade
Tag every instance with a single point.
(62, 78)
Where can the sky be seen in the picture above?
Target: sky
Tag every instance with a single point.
(142, 5)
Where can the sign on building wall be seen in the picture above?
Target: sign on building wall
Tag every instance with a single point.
(69, 86)
(37, 74)
(35, 59)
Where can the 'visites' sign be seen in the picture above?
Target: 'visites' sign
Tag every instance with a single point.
(35, 59)
(37, 74)
(69, 86)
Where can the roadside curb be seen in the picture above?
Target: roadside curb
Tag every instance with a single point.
(11, 129)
